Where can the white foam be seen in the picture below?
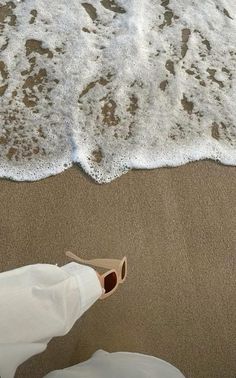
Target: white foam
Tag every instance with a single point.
(115, 84)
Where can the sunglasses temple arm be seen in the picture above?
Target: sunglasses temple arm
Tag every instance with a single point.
(95, 262)
(74, 257)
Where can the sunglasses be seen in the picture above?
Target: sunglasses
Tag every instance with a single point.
(116, 275)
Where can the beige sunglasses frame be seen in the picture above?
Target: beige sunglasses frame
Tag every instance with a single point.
(104, 263)
(105, 295)
(114, 265)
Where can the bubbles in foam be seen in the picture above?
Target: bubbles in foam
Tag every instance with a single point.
(115, 84)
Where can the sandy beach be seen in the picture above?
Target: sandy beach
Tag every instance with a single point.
(151, 85)
(177, 228)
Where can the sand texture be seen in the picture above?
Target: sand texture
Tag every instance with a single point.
(177, 228)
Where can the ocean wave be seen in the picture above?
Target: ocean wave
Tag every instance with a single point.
(115, 84)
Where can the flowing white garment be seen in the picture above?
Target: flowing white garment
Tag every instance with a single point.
(38, 302)
(119, 365)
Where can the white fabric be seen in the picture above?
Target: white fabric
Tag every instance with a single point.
(38, 302)
(119, 365)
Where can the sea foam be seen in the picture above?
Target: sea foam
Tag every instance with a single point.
(115, 84)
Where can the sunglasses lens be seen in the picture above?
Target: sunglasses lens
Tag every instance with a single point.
(123, 271)
(110, 282)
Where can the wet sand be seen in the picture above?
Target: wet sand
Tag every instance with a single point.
(177, 228)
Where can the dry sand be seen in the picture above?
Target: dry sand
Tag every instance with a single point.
(177, 227)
